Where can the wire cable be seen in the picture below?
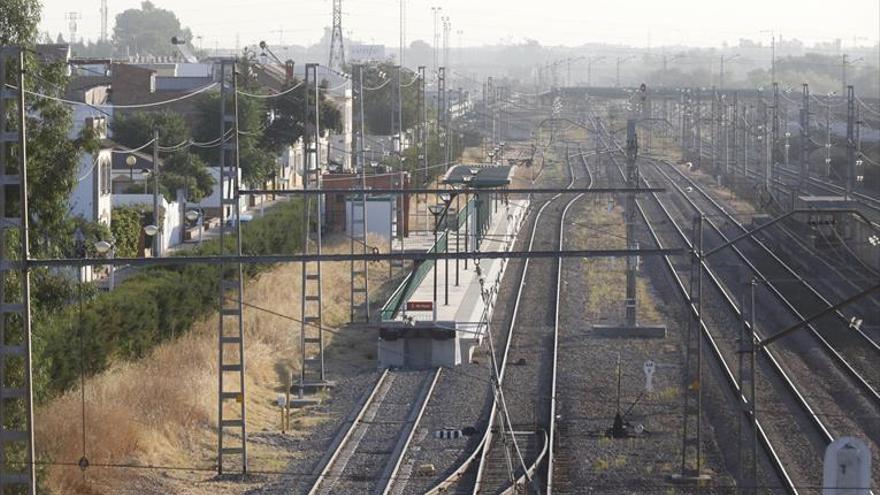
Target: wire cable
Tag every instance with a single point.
(112, 106)
(271, 95)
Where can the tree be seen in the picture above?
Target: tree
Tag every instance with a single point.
(285, 125)
(133, 130)
(18, 21)
(377, 102)
(183, 170)
(148, 31)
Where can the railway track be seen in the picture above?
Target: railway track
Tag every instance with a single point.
(367, 454)
(720, 352)
(853, 351)
(532, 349)
(524, 364)
(843, 412)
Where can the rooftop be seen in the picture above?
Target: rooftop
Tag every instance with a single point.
(479, 175)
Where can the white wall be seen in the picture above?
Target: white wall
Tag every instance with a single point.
(378, 216)
(171, 227)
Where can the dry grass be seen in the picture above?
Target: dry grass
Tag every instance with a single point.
(606, 277)
(162, 410)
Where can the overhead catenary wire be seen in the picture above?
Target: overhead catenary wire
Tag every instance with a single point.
(271, 95)
(118, 107)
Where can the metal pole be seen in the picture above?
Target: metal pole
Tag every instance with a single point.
(457, 233)
(156, 220)
(632, 173)
(434, 301)
(699, 414)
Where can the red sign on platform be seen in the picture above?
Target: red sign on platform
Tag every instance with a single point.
(419, 306)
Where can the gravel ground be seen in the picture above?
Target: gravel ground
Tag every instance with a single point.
(310, 447)
(463, 397)
(369, 449)
(801, 448)
(586, 460)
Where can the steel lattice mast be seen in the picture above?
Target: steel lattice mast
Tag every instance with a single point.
(337, 47)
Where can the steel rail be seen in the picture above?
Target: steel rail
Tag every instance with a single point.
(848, 368)
(488, 444)
(552, 426)
(388, 477)
(482, 447)
(391, 475)
(325, 468)
(730, 379)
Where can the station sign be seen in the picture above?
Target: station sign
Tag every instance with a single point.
(419, 306)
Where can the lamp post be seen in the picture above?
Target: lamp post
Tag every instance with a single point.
(131, 160)
(107, 249)
(447, 200)
(196, 216)
(152, 230)
(436, 211)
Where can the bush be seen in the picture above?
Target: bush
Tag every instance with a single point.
(126, 228)
(156, 304)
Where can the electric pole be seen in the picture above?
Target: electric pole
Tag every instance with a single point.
(337, 48)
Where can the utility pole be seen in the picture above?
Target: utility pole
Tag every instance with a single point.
(850, 141)
(17, 458)
(156, 220)
(231, 416)
(632, 181)
(733, 127)
(805, 139)
(312, 371)
(698, 122)
(774, 125)
(337, 47)
(104, 15)
(692, 430)
(359, 276)
(403, 33)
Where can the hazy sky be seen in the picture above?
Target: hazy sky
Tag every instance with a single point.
(569, 22)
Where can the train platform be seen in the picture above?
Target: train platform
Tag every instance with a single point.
(422, 328)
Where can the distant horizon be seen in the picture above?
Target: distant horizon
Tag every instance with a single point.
(642, 25)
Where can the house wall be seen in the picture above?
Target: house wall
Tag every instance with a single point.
(172, 223)
(336, 212)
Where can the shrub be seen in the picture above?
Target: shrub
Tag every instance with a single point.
(156, 304)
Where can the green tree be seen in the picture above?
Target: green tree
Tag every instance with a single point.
(133, 130)
(181, 169)
(287, 115)
(148, 30)
(257, 163)
(377, 102)
(187, 171)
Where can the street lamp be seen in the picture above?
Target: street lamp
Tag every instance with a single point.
(107, 249)
(447, 200)
(196, 216)
(436, 210)
(131, 160)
